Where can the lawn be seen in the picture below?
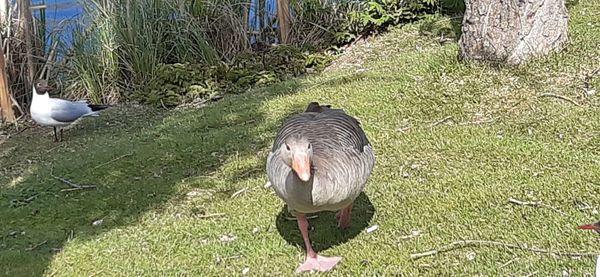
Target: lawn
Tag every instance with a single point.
(180, 192)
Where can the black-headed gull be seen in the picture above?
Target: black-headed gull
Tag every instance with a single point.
(57, 112)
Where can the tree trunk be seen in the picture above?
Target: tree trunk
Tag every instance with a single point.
(283, 17)
(8, 113)
(4, 11)
(512, 31)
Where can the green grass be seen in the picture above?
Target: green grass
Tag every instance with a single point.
(157, 173)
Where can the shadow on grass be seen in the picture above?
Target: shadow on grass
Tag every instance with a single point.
(134, 158)
(444, 28)
(324, 232)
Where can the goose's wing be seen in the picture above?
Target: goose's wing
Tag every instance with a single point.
(343, 128)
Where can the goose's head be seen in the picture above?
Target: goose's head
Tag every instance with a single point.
(41, 87)
(297, 153)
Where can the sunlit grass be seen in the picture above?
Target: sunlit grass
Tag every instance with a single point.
(454, 142)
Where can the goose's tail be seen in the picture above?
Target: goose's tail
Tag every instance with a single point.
(316, 108)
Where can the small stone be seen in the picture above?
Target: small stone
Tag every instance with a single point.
(415, 232)
(471, 256)
(227, 238)
(245, 271)
(590, 92)
(192, 193)
(372, 228)
(268, 184)
(97, 222)
(255, 230)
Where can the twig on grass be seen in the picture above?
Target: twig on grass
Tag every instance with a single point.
(239, 192)
(113, 160)
(71, 184)
(470, 243)
(210, 215)
(21, 131)
(477, 122)
(523, 203)
(587, 79)
(539, 203)
(36, 246)
(561, 97)
(531, 274)
(440, 121)
(507, 263)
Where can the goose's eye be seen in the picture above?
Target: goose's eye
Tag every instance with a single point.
(287, 147)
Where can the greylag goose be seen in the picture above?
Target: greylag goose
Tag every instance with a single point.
(320, 161)
(55, 112)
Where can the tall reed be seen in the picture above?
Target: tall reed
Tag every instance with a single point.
(119, 45)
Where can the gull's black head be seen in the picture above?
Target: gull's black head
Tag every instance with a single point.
(41, 86)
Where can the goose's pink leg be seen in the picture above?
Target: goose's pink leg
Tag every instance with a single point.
(313, 261)
(343, 217)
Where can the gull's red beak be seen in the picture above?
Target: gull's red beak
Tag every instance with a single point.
(301, 165)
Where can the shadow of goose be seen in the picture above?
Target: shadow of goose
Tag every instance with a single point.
(324, 232)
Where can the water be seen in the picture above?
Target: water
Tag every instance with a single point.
(66, 11)
(60, 18)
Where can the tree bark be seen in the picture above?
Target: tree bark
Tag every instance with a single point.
(512, 31)
(8, 113)
(4, 11)
(283, 17)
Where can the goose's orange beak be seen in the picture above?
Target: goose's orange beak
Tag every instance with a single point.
(301, 165)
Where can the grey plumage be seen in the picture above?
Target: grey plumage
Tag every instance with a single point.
(342, 160)
(68, 111)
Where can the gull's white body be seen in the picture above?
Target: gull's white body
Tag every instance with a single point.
(56, 112)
